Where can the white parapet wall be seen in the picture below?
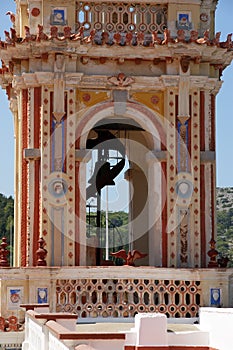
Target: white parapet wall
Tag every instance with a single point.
(151, 329)
(130, 290)
(47, 332)
(219, 323)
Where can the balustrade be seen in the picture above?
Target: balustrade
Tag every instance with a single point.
(121, 17)
(127, 297)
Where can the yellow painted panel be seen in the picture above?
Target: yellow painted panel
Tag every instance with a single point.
(91, 98)
(153, 99)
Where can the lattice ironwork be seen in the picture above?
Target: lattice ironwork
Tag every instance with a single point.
(121, 17)
(126, 297)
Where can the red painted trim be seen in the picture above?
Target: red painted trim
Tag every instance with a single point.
(212, 201)
(65, 134)
(202, 204)
(24, 180)
(33, 306)
(51, 128)
(176, 126)
(212, 138)
(36, 233)
(92, 336)
(189, 145)
(164, 214)
(55, 316)
(169, 347)
(37, 106)
(77, 214)
(202, 121)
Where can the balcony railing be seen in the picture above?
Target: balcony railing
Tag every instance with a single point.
(121, 17)
(116, 291)
(127, 297)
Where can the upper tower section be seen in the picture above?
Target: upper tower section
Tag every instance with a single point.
(116, 16)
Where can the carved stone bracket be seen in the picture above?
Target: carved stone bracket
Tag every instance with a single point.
(32, 153)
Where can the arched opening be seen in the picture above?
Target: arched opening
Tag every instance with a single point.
(122, 150)
(118, 155)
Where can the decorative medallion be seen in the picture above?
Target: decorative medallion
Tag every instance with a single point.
(59, 16)
(35, 12)
(184, 20)
(58, 187)
(155, 99)
(204, 17)
(215, 296)
(184, 189)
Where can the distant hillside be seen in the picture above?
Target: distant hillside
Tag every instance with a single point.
(224, 198)
(224, 202)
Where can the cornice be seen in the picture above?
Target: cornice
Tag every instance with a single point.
(213, 51)
(82, 81)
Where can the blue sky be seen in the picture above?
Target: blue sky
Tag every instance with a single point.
(224, 125)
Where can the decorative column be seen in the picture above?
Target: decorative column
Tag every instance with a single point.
(171, 177)
(45, 167)
(208, 159)
(81, 157)
(24, 177)
(70, 163)
(14, 107)
(58, 168)
(32, 155)
(156, 207)
(195, 168)
(31, 179)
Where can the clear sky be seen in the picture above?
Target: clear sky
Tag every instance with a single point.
(224, 126)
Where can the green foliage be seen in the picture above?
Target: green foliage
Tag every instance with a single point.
(117, 224)
(118, 231)
(6, 217)
(225, 234)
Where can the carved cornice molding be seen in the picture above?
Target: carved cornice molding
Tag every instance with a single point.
(170, 80)
(27, 80)
(45, 78)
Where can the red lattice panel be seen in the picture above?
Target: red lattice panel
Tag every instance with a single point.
(121, 17)
(125, 297)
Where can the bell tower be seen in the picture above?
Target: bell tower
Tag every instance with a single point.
(139, 79)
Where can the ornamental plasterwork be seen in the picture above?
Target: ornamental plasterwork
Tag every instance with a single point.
(121, 80)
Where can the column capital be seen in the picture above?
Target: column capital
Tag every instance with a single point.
(183, 118)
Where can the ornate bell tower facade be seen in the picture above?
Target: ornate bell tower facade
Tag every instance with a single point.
(145, 73)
